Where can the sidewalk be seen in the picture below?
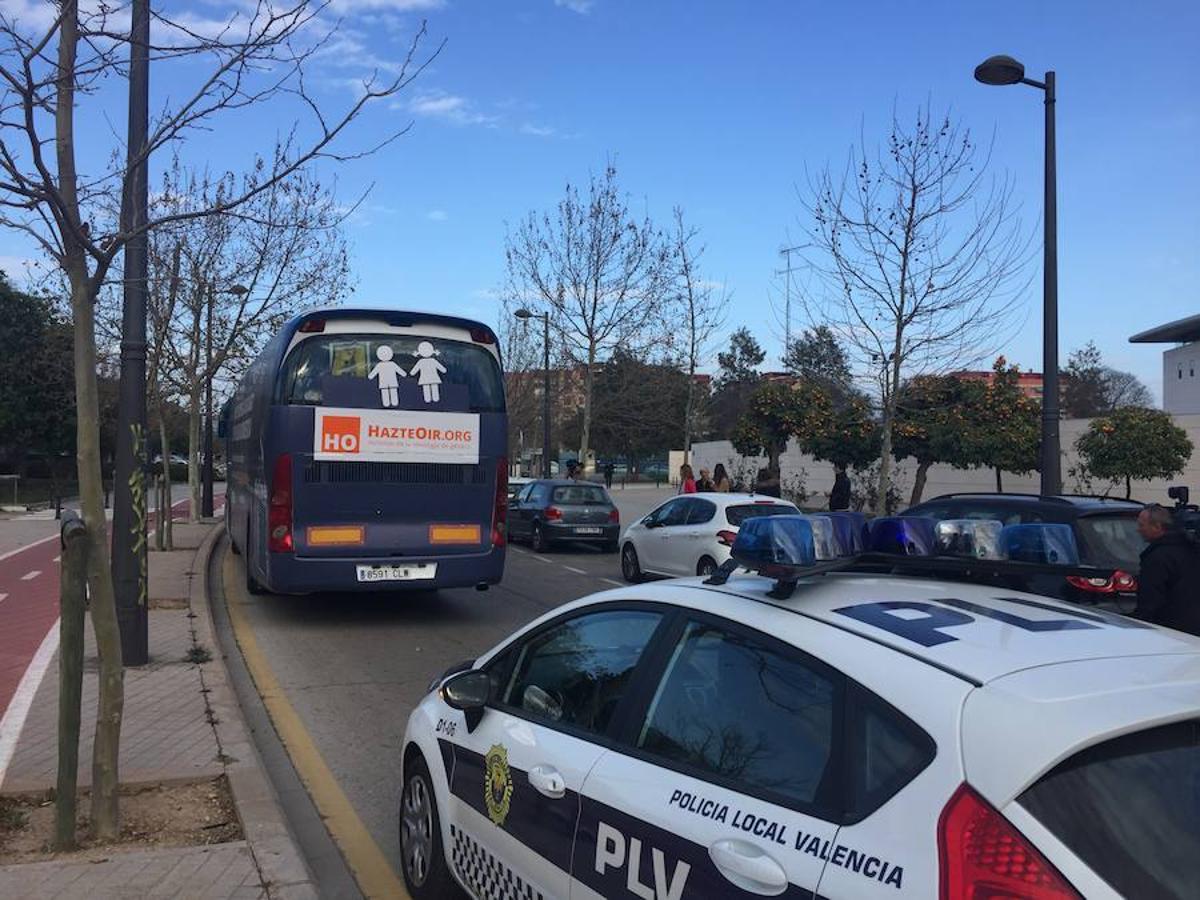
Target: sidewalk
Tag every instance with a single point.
(180, 724)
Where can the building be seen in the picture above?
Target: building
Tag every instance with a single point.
(1181, 364)
(1028, 383)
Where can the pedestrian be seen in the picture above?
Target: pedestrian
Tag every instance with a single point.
(839, 497)
(721, 482)
(1169, 578)
(705, 483)
(687, 481)
(608, 474)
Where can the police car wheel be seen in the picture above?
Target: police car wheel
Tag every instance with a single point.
(422, 859)
(706, 566)
(631, 568)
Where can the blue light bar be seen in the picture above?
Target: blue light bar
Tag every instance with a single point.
(772, 543)
(824, 538)
(902, 535)
(977, 538)
(1050, 544)
(849, 531)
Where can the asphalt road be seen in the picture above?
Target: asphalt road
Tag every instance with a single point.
(352, 666)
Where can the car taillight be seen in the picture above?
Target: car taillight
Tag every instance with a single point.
(500, 507)
(552, 512)
(279, 506)
(726, 537)
(1119, 583)
(614, 516)
(982, 856)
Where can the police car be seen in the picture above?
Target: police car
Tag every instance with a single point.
(870, 713)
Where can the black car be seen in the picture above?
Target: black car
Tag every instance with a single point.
(1105, 531)
(550, 511)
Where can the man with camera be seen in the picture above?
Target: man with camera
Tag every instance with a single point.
(1169, 579)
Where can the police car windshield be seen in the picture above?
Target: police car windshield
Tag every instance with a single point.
(1112, 540)
(1128, 808)
(345, 370)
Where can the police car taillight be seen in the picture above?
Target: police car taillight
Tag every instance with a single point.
(982, 855)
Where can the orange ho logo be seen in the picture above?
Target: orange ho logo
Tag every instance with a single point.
(340, 434)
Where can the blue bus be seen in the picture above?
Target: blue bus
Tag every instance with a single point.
(367, 450)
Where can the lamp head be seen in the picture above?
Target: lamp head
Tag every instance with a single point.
(999, 70)
(523, 313)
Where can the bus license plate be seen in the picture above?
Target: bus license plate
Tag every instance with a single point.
(588, 530)
(414, 572)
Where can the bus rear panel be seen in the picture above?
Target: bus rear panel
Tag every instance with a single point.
(376, 457)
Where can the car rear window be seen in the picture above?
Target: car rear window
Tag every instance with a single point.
(581, 493)
(336, 370)
(1112, 540)
(1130, 809)
(736, 515)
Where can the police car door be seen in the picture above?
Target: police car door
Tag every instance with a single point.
(516, 777)
(726, 776)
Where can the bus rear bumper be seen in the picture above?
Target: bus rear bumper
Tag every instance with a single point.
(310, 575)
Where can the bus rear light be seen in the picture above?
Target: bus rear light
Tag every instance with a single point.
(553, 513)
(455, 534)
(726, 537)
(982, 855)
(279, 506)
(482, 336)
(500, 504)
(312, 326)
(335, 535)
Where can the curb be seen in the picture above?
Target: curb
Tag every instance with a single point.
(280, 863)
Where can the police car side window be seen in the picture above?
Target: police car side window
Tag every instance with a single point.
(575, 673)
(738, 709)
(887, 752)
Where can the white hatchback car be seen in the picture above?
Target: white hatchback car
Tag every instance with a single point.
(844, 735)
(691, 534)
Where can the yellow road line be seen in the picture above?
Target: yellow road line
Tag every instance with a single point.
(366, 860)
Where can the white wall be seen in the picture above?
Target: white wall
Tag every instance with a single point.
(1181, 380)
(945, 479)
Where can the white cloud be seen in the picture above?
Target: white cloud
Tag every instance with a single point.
(583, 7)
(437, 215)
(538, 130)
(448, 107)
(356, 6)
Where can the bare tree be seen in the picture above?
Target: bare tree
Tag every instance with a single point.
(702, 305)
(52, 66)
(603, 274)
(919, 258)
(521, 342)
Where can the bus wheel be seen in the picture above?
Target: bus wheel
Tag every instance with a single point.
(252, 585)
(539, 542)
(233, 546)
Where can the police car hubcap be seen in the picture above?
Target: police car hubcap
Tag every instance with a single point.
(416, 825)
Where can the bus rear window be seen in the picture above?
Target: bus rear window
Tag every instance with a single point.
(1130, 809)
(350, 370)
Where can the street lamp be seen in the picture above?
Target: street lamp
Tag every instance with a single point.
(206, 496)
(525, 314)
(1002, 70)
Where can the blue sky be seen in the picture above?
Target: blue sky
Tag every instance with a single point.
(720, 107)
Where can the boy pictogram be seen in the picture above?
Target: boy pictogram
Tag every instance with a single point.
(389, 375)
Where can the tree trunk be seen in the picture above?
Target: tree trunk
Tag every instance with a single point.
(589, 379)
(885, 460)
(194, 453)
(919, 483)
(999, 482)
(689, 411)
(106, 743)
(164, 514)
(1128, 488)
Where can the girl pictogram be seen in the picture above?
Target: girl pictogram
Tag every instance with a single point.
(428, 371)
(389, 375)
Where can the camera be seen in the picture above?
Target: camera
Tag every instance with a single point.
(1187, 516)
(1179, 493)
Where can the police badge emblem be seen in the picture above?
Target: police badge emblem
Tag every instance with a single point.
(497, 784)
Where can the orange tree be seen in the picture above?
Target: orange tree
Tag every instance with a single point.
(1002, 426)
(932, 422)
(1133, 443)
(777, 412)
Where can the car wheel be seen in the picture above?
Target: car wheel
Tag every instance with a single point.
(252, 585)
(422, 860)
(631, 568)
(706, 567)
(539, 542)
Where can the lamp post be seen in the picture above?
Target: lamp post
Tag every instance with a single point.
(1001, 70)
(525, 314)
(206, 476)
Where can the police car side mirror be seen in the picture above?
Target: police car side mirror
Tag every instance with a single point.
(469, 692)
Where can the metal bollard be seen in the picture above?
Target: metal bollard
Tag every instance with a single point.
(72, 598)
